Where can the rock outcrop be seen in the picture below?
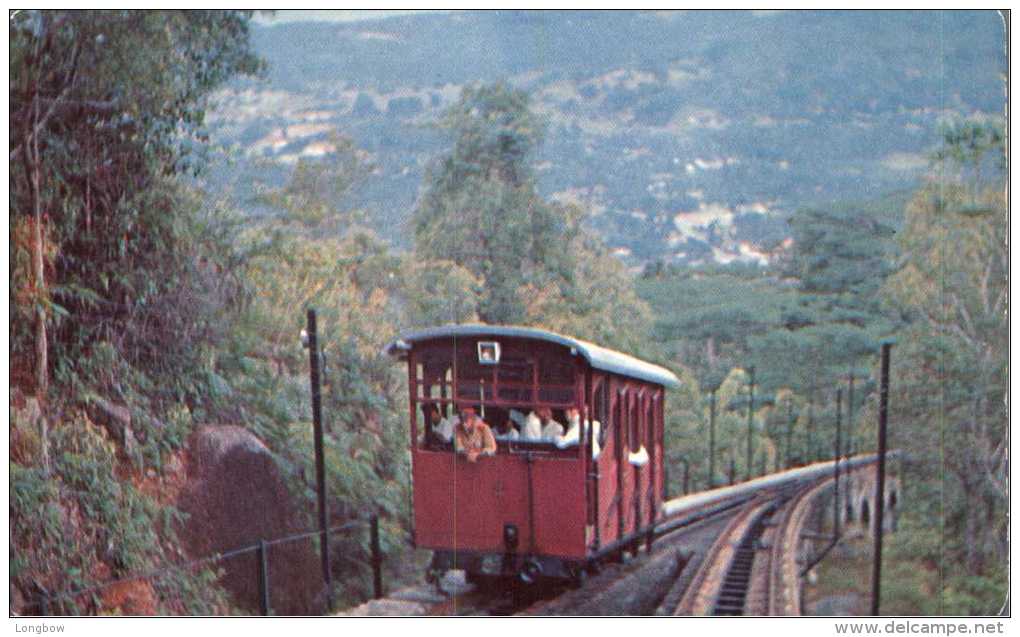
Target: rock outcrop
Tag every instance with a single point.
(235, 495)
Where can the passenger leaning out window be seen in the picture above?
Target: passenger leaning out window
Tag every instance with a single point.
(473, 437)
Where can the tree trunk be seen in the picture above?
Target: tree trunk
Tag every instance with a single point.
(972, 525)
(42, 381)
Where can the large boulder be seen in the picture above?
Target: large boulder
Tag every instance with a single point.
(235, 495)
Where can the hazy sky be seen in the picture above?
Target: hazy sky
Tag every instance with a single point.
(333, 15)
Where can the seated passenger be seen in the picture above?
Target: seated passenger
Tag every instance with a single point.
(573, 433)
(473, 438)
(443, 428)
(506, 431)
(532, 428)
(552, 431)
(518, 419)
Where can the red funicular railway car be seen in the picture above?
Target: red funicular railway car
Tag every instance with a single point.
(537, 508)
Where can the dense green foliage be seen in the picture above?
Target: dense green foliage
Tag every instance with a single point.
(118, 282)
(952, 364)
(931, 273)
(103, 154)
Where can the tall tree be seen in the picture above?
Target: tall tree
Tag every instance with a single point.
(480, 208)
(952, 288)
(106, 109)
(841, 255)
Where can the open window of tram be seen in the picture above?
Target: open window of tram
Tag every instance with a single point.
(432, 396)
(527, 382)
(600, 402)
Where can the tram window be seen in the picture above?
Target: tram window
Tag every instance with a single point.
(649, 426)
(434, 375)
(635, 427)
(556, 395)
(474, 381)
(602, 412)
(515, 370)
(516, 394)
(480, 390)
(427, 421)
(555, 371)
(620, 421)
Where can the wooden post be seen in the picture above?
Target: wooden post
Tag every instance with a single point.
(789, 430)
(850, 417)
(883, 413)
(750, 423)
(835, 465)
(320, 462)
(711, 440)
(810, 453)
(262, 557)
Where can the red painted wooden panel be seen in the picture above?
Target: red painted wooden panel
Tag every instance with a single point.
(607, 491)
(463, 505)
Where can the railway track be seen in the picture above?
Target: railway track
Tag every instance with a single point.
(753, 568)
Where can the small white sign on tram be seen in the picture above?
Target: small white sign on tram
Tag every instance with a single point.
(488, 352)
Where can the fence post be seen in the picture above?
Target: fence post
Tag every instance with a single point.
(262, 557)
(320, 463)
(377, 587)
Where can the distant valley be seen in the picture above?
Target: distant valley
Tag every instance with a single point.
(688, 136)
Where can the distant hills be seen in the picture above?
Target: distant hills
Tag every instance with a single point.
(689, 135)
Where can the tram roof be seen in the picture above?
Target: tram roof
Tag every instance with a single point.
(598, 357)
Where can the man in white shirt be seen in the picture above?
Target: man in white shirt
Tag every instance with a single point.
(552, 431)
(506, 431)
(443, 428)
(532, 427)
(573, 433)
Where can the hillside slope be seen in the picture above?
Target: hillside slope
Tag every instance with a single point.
(689, 135)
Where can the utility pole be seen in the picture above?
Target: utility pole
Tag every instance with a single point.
(320, 463)
(883, 414)
(711, 439)
(835, 464)
(750, 422)
(789, 429)
(850, 417)
(811, 427)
